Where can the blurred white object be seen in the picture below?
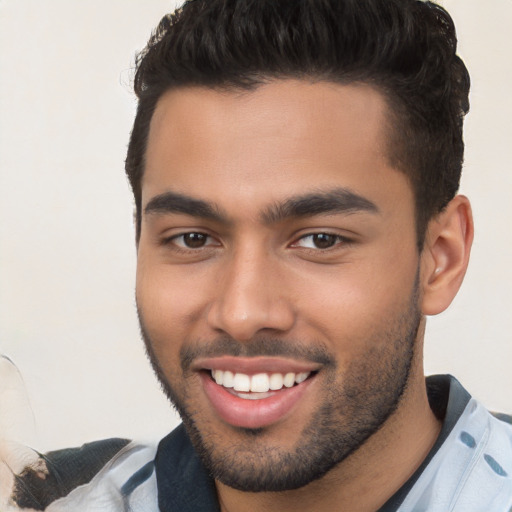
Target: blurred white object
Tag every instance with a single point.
(17, 432)
(16, 417)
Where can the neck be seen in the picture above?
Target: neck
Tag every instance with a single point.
(366, 479)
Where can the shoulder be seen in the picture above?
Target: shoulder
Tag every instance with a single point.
(127, 482)
(472, 470)
(507, 418)
(59, 474)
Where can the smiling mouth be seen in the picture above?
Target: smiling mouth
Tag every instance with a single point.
(258, 386)
(254, 392)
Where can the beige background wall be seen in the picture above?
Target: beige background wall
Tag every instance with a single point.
(67, 315)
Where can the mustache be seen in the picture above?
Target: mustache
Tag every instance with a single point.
(260, 346)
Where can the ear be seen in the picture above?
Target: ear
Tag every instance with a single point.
(445, 255)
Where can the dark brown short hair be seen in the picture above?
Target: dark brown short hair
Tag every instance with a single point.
(405, 48)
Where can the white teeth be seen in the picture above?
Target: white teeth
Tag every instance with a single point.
(289, 380)
(276, 381)
(300, 377)
(258, 383)
(253, 396)
(241, 382)
(228, 379)
(218, 375)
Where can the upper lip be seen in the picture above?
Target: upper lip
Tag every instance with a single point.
(254, 365)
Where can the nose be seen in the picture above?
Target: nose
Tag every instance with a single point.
(250, 297)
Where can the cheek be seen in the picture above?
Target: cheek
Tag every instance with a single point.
(350, 306)
(167, 304)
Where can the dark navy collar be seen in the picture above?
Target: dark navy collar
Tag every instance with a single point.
(183, 483)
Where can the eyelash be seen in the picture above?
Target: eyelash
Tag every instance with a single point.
(337, 241)
(336, 238)
(182, 247)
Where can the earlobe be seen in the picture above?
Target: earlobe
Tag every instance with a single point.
(445, 255)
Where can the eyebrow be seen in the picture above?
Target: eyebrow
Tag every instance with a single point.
(339, 200)
(172, 202)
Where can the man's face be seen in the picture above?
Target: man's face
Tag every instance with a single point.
(277, 256)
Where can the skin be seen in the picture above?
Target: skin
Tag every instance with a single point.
(258, 276)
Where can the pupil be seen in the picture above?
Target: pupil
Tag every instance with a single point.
(194, 240)
(323, 240)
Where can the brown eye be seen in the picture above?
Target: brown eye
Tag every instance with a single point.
(319, 241)
(195, 240)
(192, 240)
(324, 240)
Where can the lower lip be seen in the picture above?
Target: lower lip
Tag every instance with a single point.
(246, 413)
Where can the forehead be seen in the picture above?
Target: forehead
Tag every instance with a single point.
(284, 138)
